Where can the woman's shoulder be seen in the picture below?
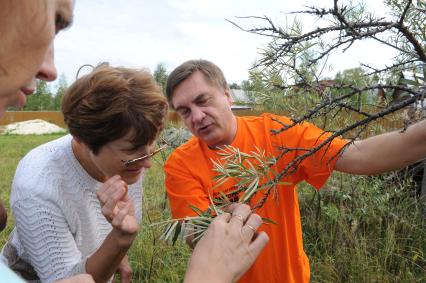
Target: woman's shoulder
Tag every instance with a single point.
(42, 168)
(46, 154)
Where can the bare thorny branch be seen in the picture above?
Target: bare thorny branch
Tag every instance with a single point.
(347, 27)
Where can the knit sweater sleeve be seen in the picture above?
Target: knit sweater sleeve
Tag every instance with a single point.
(47, 240)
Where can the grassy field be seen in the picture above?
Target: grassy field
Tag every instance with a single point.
(357, 229)
(152, 260)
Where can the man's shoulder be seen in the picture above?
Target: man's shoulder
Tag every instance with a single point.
(190, 148)
(264, 117)
(264, 120)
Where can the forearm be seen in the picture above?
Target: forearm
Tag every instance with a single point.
(104, 262)
(386, 152)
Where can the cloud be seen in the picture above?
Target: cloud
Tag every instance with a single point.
(142, 34)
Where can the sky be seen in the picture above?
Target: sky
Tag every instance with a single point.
(143, 33)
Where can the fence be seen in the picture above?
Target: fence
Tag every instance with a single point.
(56, 117)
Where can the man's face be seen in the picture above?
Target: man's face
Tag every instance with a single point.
(27, 31)
(205, 109)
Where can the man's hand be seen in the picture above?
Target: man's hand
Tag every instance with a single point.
(125, 270)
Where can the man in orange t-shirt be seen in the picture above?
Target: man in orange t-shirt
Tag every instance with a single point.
(198, 91)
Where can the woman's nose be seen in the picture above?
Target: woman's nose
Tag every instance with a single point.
(47, 71)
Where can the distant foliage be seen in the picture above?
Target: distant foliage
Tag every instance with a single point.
(44, 99)
(160, 75)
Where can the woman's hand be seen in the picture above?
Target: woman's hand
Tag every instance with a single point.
(81, 278)
(228, 248)
(3, 216)
(125, 270)
(118, 209)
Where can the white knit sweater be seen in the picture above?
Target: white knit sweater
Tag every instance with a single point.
(58, 219)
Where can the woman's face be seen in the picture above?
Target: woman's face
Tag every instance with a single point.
(27, 30)
(110, 160)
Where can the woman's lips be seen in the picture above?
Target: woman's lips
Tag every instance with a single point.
(134, 171)
(27, 91)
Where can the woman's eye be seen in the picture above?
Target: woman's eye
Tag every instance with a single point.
(60, 23)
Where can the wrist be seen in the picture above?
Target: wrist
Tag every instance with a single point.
(197, 272)
(123, 240)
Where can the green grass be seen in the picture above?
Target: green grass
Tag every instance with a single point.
(364, 229)
(356, 229)
(152, 260)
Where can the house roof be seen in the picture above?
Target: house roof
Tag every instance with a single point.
(239, 95)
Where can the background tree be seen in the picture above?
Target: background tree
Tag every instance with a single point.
(41, 100)
(160, 75)
(300, 57)
(61, 88)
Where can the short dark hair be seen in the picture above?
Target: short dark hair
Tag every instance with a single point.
(106, 104)
(211, 72)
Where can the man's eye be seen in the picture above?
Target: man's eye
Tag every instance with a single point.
(204, 101)
(184, 112)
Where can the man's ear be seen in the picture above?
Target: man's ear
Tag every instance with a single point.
(229, 96)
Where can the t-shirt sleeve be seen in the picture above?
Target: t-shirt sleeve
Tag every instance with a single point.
(47, 240)
(183, 188)
(316, 168)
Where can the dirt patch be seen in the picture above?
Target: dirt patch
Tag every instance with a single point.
(32, 127)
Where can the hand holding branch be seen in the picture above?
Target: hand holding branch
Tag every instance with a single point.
(228, 248)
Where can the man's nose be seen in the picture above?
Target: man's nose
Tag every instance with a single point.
(197, 115)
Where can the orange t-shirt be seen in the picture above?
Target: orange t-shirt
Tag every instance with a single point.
(189, 181)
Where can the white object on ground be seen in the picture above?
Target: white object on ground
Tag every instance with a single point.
(32, 127)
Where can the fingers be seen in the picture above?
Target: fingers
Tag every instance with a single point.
(125, 221)
(111, 186)
(125, 274)
(230, 208)
(250, 227)
(240, 215)
(121, 214)
(110, 194)
(259, 242)
(106, 185)
(224, 217)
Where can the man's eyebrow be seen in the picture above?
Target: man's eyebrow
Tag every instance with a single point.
(200, 97)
